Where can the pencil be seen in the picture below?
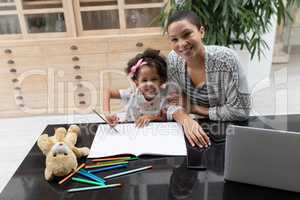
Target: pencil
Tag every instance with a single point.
(70, 175)
(109, 159)
(115, 158)
(81, 180)
(107, 168)
(128, 172)
(91, 176)
(105, 120)
(106, 164)
(94, 187)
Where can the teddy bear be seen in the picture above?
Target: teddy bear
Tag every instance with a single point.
(60, 151)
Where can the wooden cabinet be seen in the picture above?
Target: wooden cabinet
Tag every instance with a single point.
(72, 18)
(57, 56)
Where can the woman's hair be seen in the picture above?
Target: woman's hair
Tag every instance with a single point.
(154, 59)
(184, 15)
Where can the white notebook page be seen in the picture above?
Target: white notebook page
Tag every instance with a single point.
(166, 138)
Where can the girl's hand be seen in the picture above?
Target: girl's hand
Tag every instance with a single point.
(143, 121)
(173, 98)
(112, 119)
(195, 134)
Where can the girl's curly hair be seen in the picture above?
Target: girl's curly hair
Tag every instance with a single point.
(154, 60)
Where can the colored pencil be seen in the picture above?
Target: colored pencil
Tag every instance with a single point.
(105, 120)
(91, 176)
(70, 175)
(108, 168)
(128, 172)
(106, 164)
(109, 159)
(81, 180)
(132, 158)
(94, 187)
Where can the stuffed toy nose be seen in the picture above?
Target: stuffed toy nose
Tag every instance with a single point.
(60, 149)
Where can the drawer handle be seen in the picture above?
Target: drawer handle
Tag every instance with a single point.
(14, 80)
(82, 102)
(75, 59)
(139, 44)
(19, 97)
(78, 77)
(81, 94)
(21, 105)
(8, 51)
(10, 62)
(17, 88)
(73, 47)
(13, 70)
(76, 67)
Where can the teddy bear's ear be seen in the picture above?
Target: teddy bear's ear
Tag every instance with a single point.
(48, 174)
(45, 143)
(60, 133)
(74, 128)
(79, 152)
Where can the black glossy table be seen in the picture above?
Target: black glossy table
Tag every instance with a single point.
(169, 179)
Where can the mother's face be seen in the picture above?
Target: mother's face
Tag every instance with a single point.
(185, 39)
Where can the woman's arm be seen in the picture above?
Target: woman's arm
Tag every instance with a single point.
(200, 110)
(238, 102)
(192, 108)
(192, 130)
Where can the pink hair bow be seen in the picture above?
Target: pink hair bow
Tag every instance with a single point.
(135, 67)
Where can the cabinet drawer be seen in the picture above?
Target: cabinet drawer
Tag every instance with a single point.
(23, 61)
(116, 106)
(36, 102)
(23, 51)
(120, 60)
(8, 99)
(125, 44)
(98, 60)
(74, 48)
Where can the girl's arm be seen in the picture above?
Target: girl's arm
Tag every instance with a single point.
(109, 94)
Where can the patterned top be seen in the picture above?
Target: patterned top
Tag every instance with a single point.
(136, 105)
(227, 87)
(200, 95)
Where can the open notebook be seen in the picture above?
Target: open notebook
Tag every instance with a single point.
(158, 138)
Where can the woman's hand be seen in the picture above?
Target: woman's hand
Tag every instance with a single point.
(143, 121)
(195, 134)
(112, 120)
(192, 130)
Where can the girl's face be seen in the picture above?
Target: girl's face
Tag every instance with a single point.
(185, 39)
(148, 82)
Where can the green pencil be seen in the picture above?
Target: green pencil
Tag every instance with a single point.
(106, 164)
(128, 172)
(81, 180)
(94, 187)
(132, 158)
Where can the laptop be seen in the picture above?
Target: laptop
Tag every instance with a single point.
(263, 157)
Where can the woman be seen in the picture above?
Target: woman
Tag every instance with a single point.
(209, 76)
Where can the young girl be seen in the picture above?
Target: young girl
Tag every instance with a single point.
(146, 101)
